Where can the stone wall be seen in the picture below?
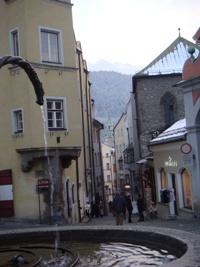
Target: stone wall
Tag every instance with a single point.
(150, 112)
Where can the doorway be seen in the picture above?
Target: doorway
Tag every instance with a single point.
(172, 186)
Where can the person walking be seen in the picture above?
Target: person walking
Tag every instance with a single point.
(141, 207)
(118, 207)
(129, 207)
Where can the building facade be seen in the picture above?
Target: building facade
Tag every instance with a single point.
(49, 150)
(109, 172)
(157, 104)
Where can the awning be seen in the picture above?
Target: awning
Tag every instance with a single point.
(142, 161)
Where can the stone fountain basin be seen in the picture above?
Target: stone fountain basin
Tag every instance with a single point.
(184, 245)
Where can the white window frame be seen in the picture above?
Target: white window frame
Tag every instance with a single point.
(64, 118)
(59, 47)
(15, 121)
(14, 47)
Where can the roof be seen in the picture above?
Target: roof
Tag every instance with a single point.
(174, 133)
(172, 59)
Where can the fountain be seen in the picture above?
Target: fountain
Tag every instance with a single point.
(27, 67)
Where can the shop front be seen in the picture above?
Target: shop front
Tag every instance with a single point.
(173, 173)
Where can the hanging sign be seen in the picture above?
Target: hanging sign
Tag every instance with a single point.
(43, 183)
(186, 148)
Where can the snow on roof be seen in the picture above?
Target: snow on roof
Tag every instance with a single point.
(172, 59)
(176, 131)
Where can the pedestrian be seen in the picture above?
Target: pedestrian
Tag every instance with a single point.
(101, 209)
(141, 207)
(88, 210)
(129, 207)
(118, 207)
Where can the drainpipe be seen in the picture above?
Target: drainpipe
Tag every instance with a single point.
(77, 185)
(82, 115)
(92, 141)
(88, 103)
(102, 175)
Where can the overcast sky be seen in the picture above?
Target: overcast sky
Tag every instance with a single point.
(132, 31)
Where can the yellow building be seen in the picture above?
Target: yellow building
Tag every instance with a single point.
(45, 151)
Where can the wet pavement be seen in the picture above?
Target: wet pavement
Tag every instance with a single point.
(191, 225)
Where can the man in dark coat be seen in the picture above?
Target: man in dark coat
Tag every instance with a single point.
(118, 207)
(141, 207)
(129, 207)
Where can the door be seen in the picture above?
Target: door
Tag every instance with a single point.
(6, 194)
(172, 186)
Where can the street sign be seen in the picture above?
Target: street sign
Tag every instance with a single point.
(186, 148)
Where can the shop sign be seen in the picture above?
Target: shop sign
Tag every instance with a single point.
(171, 163)
(43, 183)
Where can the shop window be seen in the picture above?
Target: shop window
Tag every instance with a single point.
(163, 178)
(187, 192)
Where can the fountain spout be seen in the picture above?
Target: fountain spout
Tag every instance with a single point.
(27, 67)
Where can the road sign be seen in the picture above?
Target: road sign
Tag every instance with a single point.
(186, 148)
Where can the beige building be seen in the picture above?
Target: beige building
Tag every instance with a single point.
(109, 172)
(45, 152)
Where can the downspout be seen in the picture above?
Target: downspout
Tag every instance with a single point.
(77, 185)
(82, 115)
(92, 141)
(88, 103)
(116, 177)
(102, 175)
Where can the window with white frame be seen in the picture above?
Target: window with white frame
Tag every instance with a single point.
(56, 114)
(108, 178)
(14, 42)
(51, 48)
(17, 120)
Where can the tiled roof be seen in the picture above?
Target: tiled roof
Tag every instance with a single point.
(172, 59)
(175, 132)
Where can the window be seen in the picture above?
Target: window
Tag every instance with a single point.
(73, 193)
(187, 195)
(120, 164)
(17, 120)
(51, 51)
(108, 178)
(107, 166)
(56, 114)
(168, 105)
(14, 42)
(163, 179)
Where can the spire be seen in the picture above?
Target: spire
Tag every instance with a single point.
(179, 29)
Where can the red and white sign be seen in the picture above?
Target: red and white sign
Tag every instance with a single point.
(43, 183)
(186, 148)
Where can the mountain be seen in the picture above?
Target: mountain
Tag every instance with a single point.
(103, 65)
(110, 92)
